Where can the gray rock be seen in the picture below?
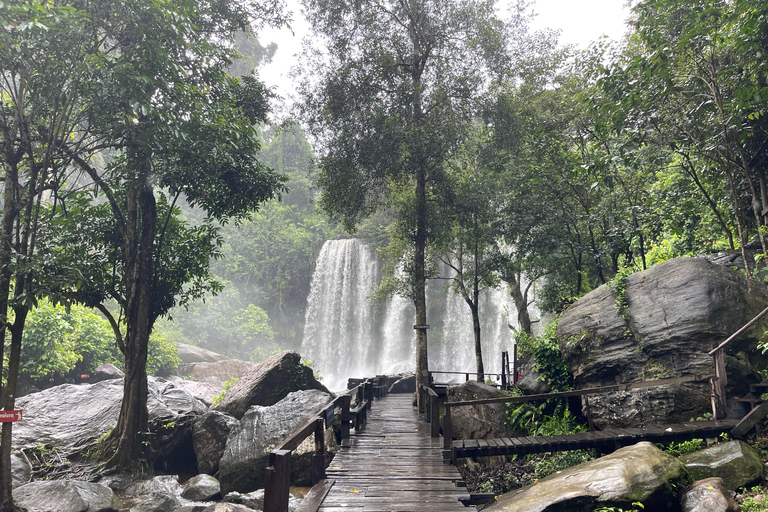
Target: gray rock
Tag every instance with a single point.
(191, 508)
(50, 417)
(163, 484)
(203, 391)
(677, 310)
(21, 469)
(201, 488)
(735, 462)
(268, 383)
(254, 500)
(640, 472)
(66, 496)
(222, 370)
(209, 437)
(478, 421)
(246, 456)
(228, 507)
(106, 372)
(193, 354)
(530, 383)
(156, 502)
(708, 495)
(405, 384)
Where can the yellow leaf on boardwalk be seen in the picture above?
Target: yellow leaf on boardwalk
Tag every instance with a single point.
(354, 490)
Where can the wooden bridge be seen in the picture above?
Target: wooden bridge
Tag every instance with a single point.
(392, 459)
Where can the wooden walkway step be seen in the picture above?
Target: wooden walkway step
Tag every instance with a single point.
(604, 440)
(393, 465)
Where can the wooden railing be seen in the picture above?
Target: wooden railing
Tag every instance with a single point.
(278, 479)
(448, 426)
(429, 404)
(720, 380)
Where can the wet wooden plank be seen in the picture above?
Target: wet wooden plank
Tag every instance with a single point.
(394, 465)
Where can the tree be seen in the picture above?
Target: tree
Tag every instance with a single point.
(697, 75)
(390, 100)
(181, 127)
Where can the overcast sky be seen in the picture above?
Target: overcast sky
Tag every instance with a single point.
(580, 22)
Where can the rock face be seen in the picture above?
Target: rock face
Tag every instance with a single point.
(21, 469)
(676, 312)
(203, 390)
(244, 463)
(268, 383)
(66, 496)
(209, 438)
(735, 462)
(404, 384)
(477, 421)
(640, 472)
(708, 495)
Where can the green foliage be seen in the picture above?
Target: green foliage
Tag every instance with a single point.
(162, 356)
(558, 461)
(636, 507)
(227, 386)
(680, 448)
(619, 287)
(757, 501)
(547, 358)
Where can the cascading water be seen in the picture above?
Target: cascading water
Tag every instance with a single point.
(347, 335)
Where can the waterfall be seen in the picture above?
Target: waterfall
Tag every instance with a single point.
(348, 335)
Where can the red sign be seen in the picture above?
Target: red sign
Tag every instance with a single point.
(9, 416)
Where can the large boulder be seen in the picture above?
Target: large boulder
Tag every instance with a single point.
(223, 370)
(201, 488)
(675, 313)
(243, 466)
(21, 469)
(73, 417)
(66, 496)
(640, 472)
(192, 354)
(106, 372)
(268, 383)
(478, 421)
(209, 438)
(735, 462)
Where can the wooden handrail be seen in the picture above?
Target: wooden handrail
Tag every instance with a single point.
(734, 335)
(278, 479)
(448, 426)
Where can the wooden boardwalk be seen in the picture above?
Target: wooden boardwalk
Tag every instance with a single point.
(393, 465)
(603, 440)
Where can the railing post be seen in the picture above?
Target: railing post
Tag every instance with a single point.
(504, 370)
(514, 365)
(434, 412)
(422, 399)
(447, 427)
(278, 481)
(718, 384)
(345, 419)
(318, 460)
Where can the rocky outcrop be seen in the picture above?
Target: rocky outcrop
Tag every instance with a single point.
(21, 469)
(223, 370)
(404, 384)
(675, 313)
(243, 466)
(66, 496)
(209, 438)
(735, 462)
(192, 354)
(477, 421)
(51, 418)
(640, 472)
(709, 495)
(268, 383)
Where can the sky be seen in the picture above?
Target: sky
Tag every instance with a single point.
(580, 22)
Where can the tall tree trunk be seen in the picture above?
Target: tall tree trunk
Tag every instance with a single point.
(520, 300)
(420, 281)
(141, 220)
(478, 347)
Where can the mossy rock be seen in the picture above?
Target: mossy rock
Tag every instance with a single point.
(737, 463)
